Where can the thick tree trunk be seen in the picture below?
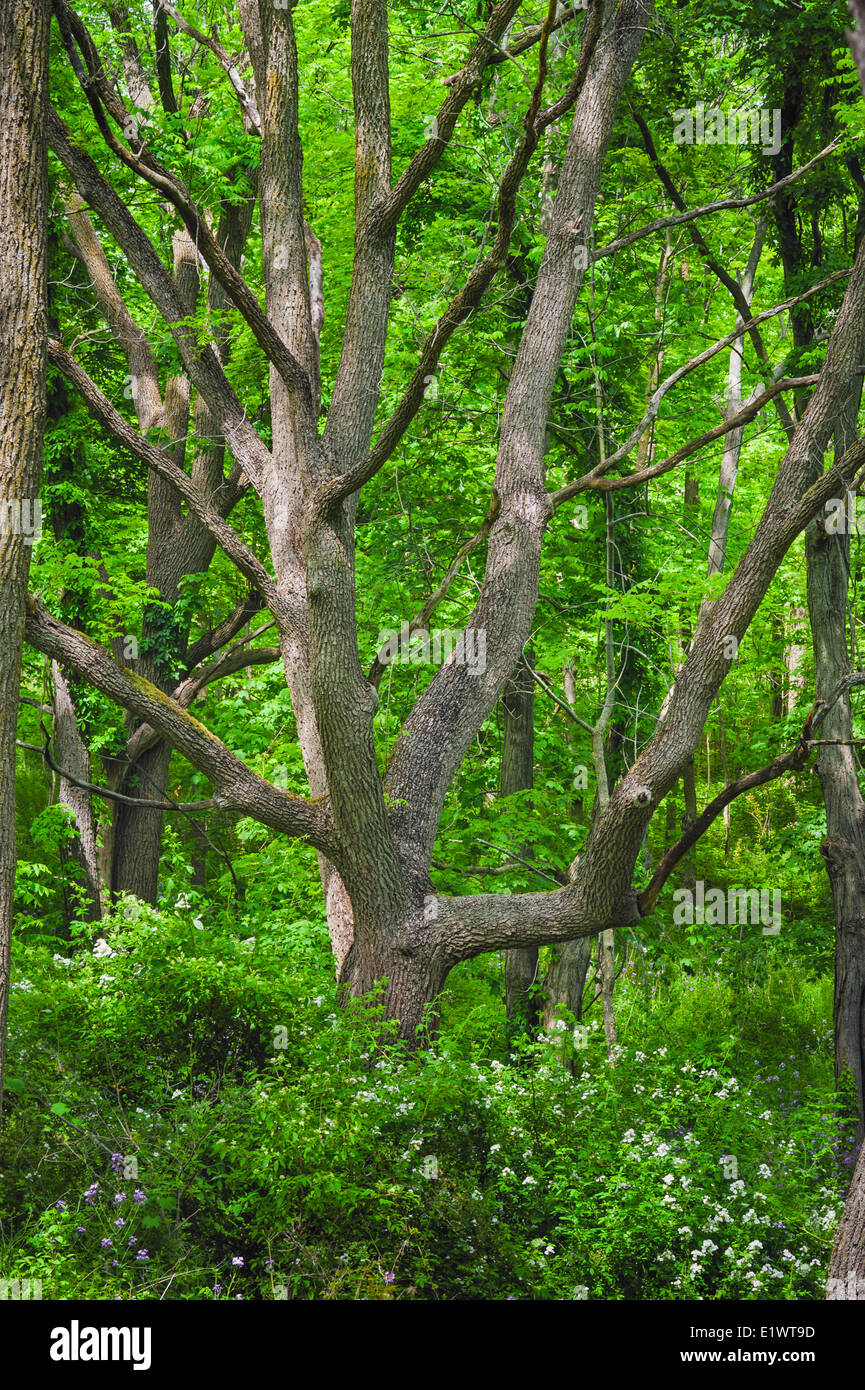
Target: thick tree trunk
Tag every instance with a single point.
(847, 1265)
(844, 846)
(517, 774)
(402, 976)
(137, 840)
(23, 336)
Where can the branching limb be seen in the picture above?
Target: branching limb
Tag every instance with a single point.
(146, 395)
(770, 393)
(591, 482)
(252, 120)
(202, 365)
(743, 308)
(236, 787)
(219, 636)
(786, 762)
(101, 99)
(185, 693)
(157, 460)
(722, 205)
(469, 296)
(209, 804)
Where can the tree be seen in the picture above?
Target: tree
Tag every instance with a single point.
(375, 829)
(23, 101)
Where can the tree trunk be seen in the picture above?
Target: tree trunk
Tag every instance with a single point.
(844, 847)
(73, 757)
(408, 974)
(847, 1265)
(521, 966)
(137, 839)
(23, 337)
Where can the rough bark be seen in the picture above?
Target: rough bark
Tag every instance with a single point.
(847, 1266)
(23, 332)
(844, 846)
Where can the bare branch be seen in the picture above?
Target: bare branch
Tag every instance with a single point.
(252, 120)
(211, 803)
(722, 205)
(770, 393)
(218, 636)
(734, 289)
(143, 163)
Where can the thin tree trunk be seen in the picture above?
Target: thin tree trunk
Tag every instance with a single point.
(517, 774)
(72, 756)
(828, 557)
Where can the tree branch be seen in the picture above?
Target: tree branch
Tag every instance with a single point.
(722, 205)
(157, 460)
(236, 787)
(99, 94)
(252, 120)
(743, 308)
(202, 365)
(472, 292)
(770, 392)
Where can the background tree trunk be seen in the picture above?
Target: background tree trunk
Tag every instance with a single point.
(517, 774)
(844, 847)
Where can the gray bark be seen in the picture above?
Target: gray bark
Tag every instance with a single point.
(23, 332)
